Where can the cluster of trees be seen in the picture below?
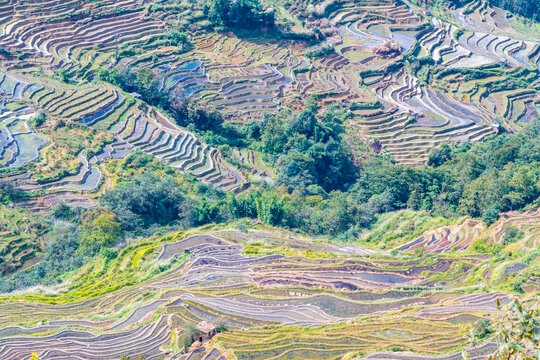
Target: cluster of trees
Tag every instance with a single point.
(137, 207)
(484, 179)
(240, 15)
(206, 122)
(187, 112)
(179, 39)
(146, 200)
(310, 150)
(318, 190)
(100, 229)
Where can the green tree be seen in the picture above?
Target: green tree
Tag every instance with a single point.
(298, 170)
(249, 15)
(512, 234)
(142, 81)
(208, 212)
(219, 12)
(269, 208)
(439, 155)
(189, 334)
(39, 119)
(64, 75)
(274, 135)
(240, 14)
(484, 192)
(179, 38)
(244, 205)
(523, 185)
(483, 328)
(146, 82)
(492, 214)
(187, 112)
(103, 74)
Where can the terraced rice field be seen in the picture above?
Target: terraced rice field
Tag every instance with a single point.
(354, 297)
(247, 78)
(132, 127)
(410, 287)
(445, 239)
(474, 49)
(417, 119)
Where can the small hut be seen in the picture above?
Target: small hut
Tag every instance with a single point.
(205, 331)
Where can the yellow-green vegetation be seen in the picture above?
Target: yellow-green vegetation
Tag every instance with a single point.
(260, 248)
(136, 164)
(110, 271)
(335, 341)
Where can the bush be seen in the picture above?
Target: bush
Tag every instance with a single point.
(511, 235)
(517, 287)
(186, 112)
(178, 38)
(491, 215)
(109, 254)
(323, 51)
(517, 334)
(483, 328)
(458, 34)
(38, 120)
(189, 335)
